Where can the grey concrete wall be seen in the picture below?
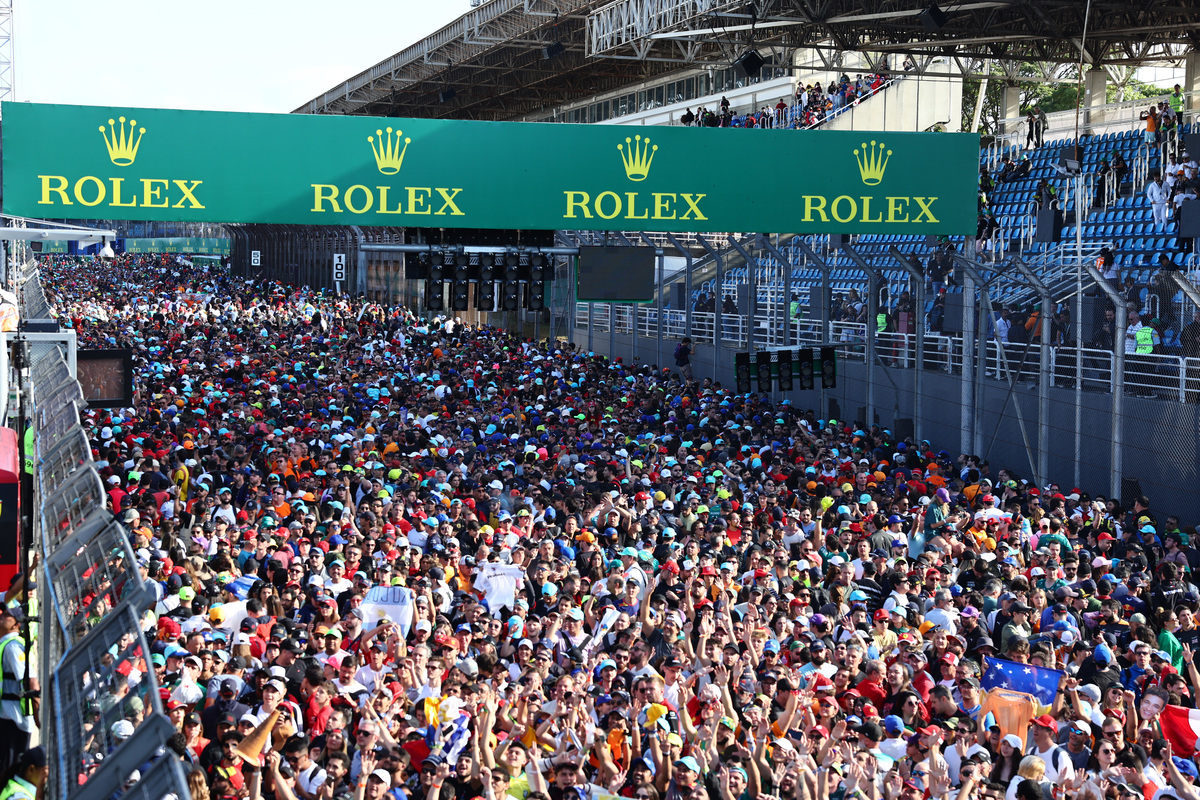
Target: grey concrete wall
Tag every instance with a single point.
(1161, 437)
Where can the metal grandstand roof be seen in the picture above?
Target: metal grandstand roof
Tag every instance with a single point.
(492, 57)
(1118, 31)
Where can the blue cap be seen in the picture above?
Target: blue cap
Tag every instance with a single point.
(771, 646)
(893, 519)
(893, 723)
(689, 763)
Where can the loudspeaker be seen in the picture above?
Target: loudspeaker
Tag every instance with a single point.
(903, 428)
(552, 50)
(743, 299)
(839, 239)
(679, 296)
(952, 318)
(1131, 489)
(818, 303)
(1093, 315)
(1189, 220)
(446, 96)
(1049, 225)
(749, 64)
(932, 18)
(1192, 144)
(1070, 153)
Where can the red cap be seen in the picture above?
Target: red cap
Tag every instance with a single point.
(761, 573)
(881, 615)
(1046, 721)
(1105, 536)
(820, 683)
(950, 659)
(708, 570)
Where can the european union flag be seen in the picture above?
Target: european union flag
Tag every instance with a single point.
(1040, 682)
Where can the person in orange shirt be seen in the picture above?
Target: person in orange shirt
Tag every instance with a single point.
(278, 503)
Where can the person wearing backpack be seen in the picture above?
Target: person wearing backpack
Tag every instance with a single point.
(1059, 769)
(683, 358)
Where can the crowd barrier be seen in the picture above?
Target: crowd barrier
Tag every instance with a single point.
(1168, 377)
(94, 660)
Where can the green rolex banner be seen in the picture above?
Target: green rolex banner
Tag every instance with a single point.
(179, 244)
(82, 162)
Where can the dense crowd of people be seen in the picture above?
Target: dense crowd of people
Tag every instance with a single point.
(813, 105)
(399, 557)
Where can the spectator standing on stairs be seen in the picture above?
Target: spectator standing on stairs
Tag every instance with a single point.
(1157, 194)
(1177, 101)
(1150, 116)
(1036, 124)
(1045, 196)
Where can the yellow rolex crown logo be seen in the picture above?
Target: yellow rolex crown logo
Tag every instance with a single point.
(389, 155)
(638, 157)
(872, 162)
(122, 147)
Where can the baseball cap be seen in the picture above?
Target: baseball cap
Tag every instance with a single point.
(1045, 721)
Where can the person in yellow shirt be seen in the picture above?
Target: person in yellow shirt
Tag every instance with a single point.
(885, 638)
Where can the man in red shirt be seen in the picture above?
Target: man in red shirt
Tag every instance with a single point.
(316, 714)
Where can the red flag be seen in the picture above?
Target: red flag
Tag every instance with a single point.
(1181, 727)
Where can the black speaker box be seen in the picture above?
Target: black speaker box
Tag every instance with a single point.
(1189, 220)
(1049, 225)
(1073, 152)
(932, 18)
(446, 96)
(952, 320)
(817, 303)
(679, 298)
(749, 64)
(1192, 144)
(839, 239)
(552, 50)
(743, 299)
(1131, 489)
(903, 428)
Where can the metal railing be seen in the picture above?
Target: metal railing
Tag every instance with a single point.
(93, 659)
(1164, 376)
(1111, 117)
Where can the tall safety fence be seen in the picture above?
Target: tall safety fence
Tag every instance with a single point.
(102, 717)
